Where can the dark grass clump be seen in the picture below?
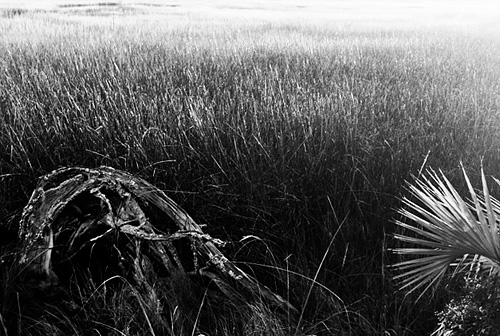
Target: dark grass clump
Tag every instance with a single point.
(116, 307)
(177, 305)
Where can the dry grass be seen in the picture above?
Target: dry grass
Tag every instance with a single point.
(276, 128)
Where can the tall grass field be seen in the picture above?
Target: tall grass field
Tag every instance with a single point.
(288, 130)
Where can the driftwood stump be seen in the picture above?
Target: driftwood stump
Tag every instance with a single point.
(109, 222)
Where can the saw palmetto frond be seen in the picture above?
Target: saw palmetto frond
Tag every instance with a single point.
(446, 231)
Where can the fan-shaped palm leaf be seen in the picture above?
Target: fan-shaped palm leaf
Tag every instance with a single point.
(447, 231)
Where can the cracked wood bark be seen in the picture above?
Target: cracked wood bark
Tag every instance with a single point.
(74, 209)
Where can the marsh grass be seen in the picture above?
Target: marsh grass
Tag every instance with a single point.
(272, 129)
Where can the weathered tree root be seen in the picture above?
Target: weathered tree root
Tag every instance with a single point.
(106, 220)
